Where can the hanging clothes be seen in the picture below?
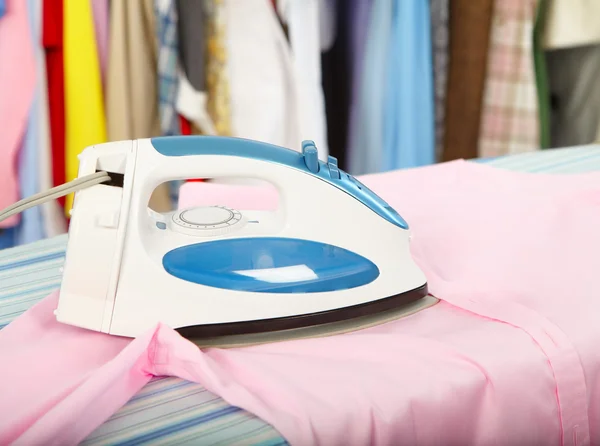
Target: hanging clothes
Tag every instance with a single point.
(439, 10)
(131, 95)
(541, 74)
(47, 219)
(85, 120)
(328, 23)
(191, 31)
(167, 76)
(53, 43)
(571, 40)
(359, 19)
(260, 72)
(17, 86)
(470, 23)
(571, 23)
(101, 21)
(365, 151)
(409, 127)
(31, 226)
(186, 127)
(167, 83)
(573, 75)
(510, 120)
(303, 23)
(218, 69)
(192, 97)
(192, 104)
(132, 79)
(335, 32)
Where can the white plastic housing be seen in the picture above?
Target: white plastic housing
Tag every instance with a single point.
(114, 279)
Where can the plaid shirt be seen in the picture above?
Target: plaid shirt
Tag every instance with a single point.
(510, 118)
(168, 54)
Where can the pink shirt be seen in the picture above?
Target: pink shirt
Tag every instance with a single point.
(509, 356)
(17, 83)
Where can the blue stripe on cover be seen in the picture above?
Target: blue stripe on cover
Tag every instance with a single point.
(172, 411)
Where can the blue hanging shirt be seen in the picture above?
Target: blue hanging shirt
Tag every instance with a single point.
(366, 144)
(409, 122)
(31, 226)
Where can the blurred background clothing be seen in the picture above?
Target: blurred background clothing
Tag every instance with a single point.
(378, 84)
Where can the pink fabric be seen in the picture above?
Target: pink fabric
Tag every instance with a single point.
(17, 82)
(508, 357)
(235, 196)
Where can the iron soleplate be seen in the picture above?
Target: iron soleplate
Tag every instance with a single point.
(326, 323)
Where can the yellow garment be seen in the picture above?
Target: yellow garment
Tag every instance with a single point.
(84, 107)
(217, 82)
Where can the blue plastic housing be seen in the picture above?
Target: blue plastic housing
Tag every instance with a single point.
(270, 265)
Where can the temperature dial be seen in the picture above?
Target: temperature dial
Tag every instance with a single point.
(207, 221)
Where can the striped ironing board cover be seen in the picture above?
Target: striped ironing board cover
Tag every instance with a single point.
(173, 411)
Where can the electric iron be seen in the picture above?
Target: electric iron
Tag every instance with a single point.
(332, 258)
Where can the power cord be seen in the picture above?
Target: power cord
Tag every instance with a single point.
(56, 192)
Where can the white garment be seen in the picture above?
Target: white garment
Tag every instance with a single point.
(262, 94)
(302, 19)
(571, 23)
(327, 23)
(52, 213)
(265, 87)
(191, 104)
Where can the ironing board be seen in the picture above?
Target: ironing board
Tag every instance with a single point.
(173, 411)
